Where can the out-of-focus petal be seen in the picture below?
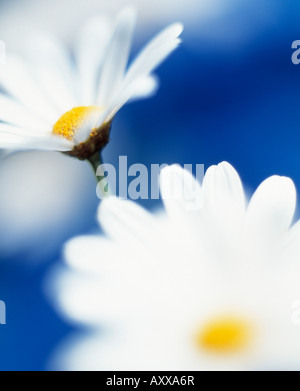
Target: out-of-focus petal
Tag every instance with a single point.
(91, 49)
(124, 220)
(54, 72)
(224, 197)
(271, 208)
(14, 113)
(16, 138)
(180, 191)
(19, 81)
(117, 56)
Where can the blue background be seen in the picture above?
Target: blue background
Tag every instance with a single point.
(217, 101)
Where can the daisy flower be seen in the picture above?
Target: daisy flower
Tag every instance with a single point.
(209, 284)
(36, 221)
(50, 102)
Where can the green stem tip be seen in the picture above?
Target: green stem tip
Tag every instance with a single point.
(96, 164)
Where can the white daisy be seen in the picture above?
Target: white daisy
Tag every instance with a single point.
(35, 220)
(50, 104)
(209, 284)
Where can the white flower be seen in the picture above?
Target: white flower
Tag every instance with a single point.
(35, 220)
(54, 105)
(209, 284)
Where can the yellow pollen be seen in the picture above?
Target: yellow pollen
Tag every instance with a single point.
(224, 335)
(72, 120)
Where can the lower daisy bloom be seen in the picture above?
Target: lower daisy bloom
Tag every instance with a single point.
(50, 104)
(209, 284)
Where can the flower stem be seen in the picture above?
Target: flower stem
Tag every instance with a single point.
(96, 163)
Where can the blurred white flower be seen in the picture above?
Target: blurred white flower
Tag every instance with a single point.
(53, 105)
(42, 203)
(209, 284)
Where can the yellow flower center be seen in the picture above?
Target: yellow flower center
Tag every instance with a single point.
(72, 120)
(224, 335)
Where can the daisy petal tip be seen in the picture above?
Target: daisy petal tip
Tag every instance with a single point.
(284, 184)
(180, 28)
(68, 249)
(174, 174)
(75, 250)
(177, 29)
(211, 171)
(228, 170)
(153, 85)
(280, 181)
(226, 166)
(109, 203)
(168, 171)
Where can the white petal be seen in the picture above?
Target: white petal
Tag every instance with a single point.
(122, 98)
(16, 79)
(78, 295)
(52, 143)
(155, 52)
(116, 59)
(94, 254)
(54, 72)
(224, 197)
(13, 112)
(94, 299)
(182, 197)
(21, 139)
(179, 190)
(271, 208)
(146, 62)
(20, 130)
(146, 87)
(90, 51)
(125, 221)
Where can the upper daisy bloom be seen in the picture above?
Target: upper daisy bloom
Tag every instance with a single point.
(52, 102)
(210, 284)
